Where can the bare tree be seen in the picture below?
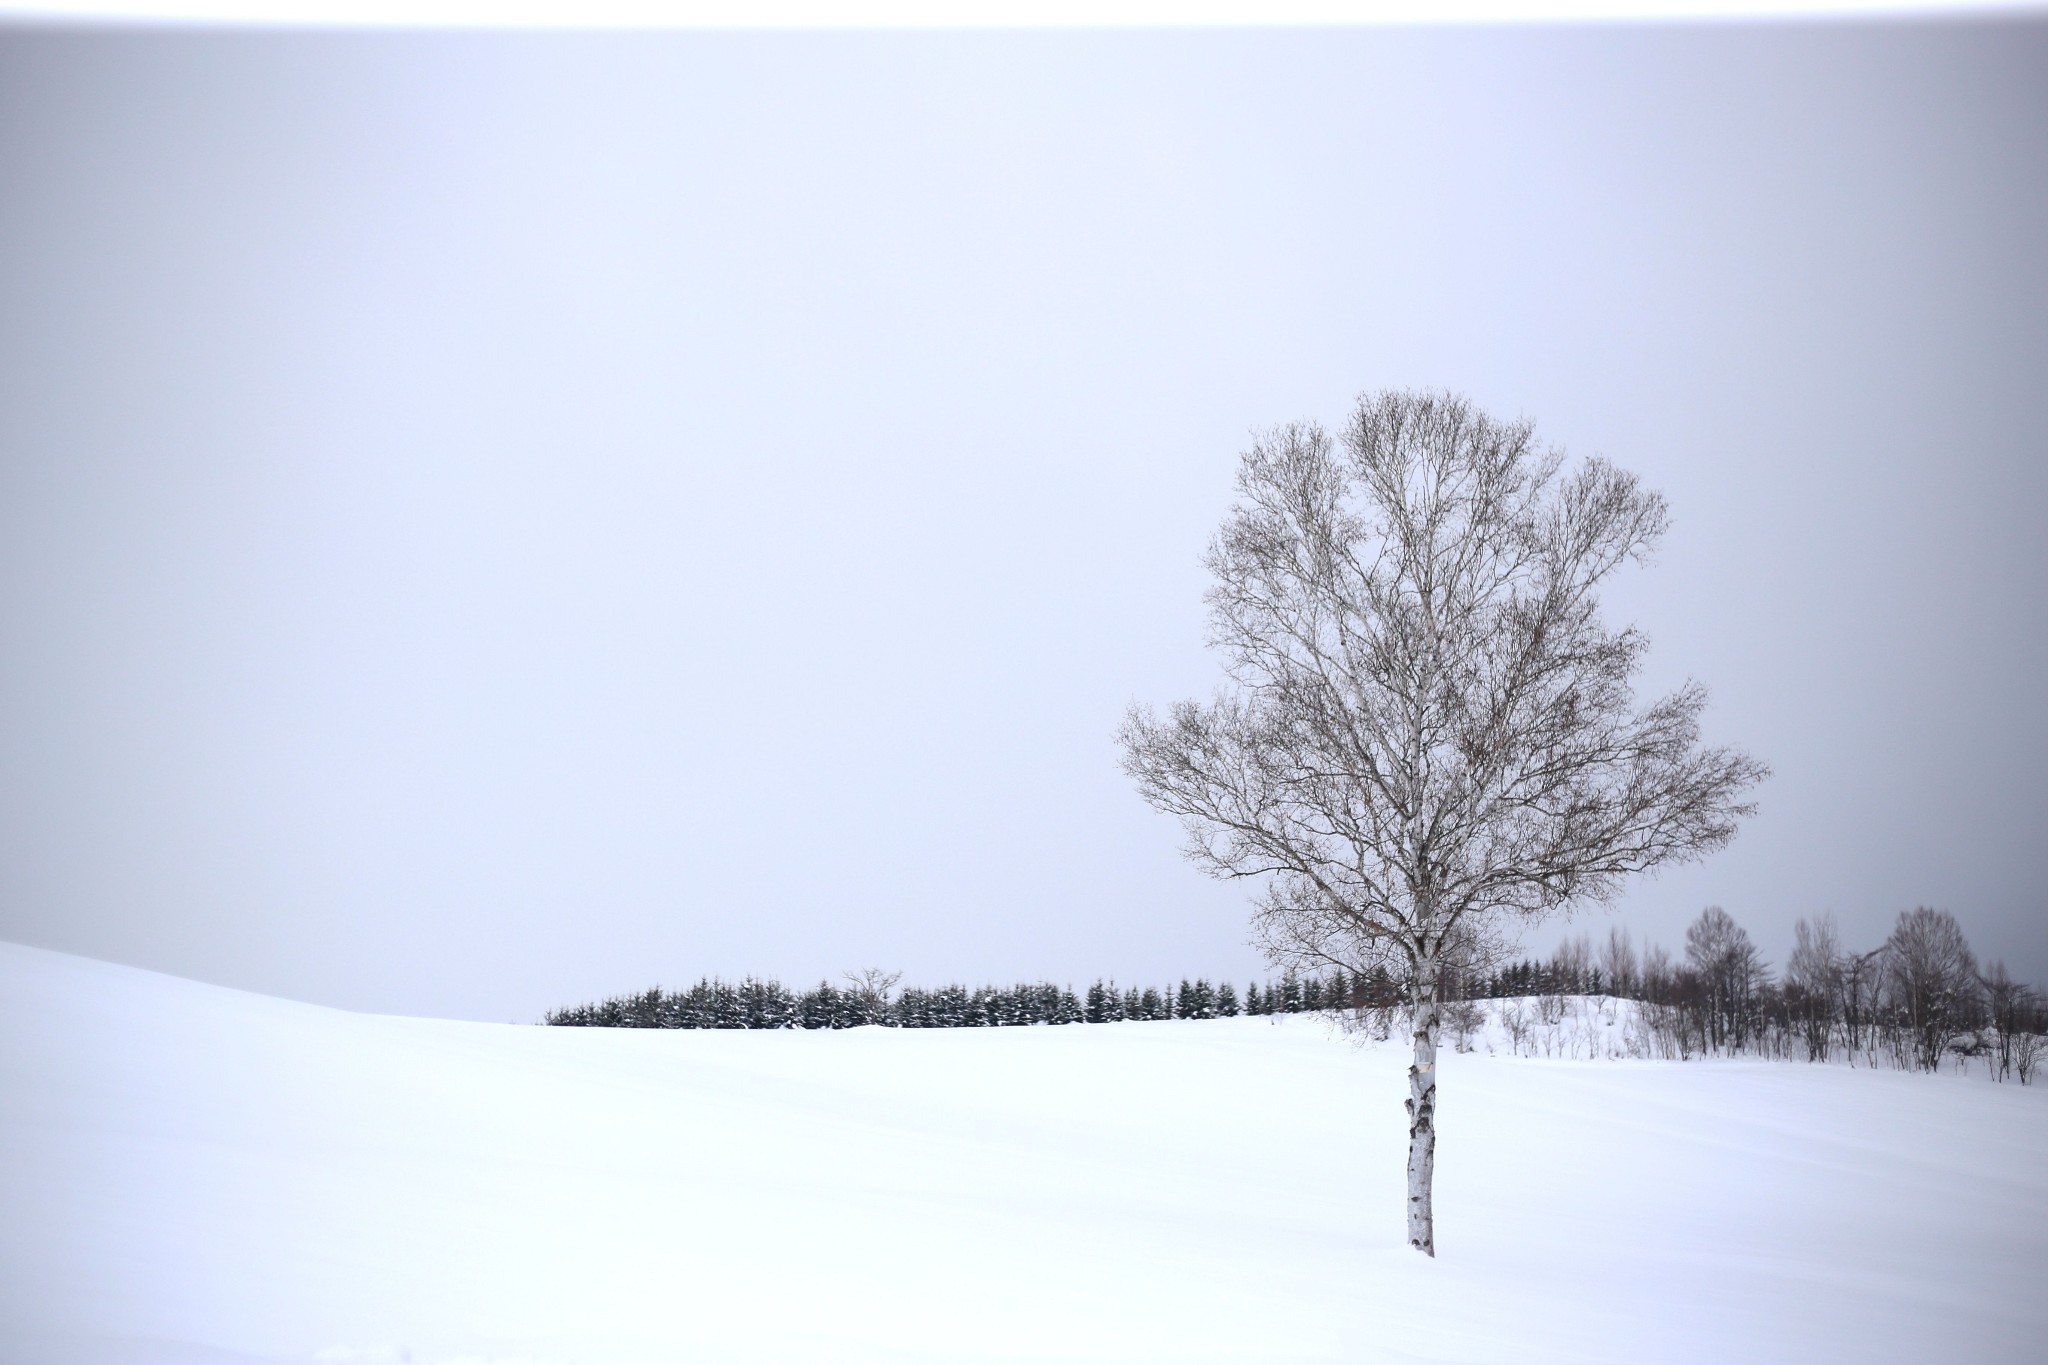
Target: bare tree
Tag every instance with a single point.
(1571, 963)
(870, 988)
(1861, 973)
(1731, 974)
(1814, 977)
(2026, 1055)
(1930, 981)
(2014, 1007)
(1427, 726)
(1657, 973)
(1618, 960)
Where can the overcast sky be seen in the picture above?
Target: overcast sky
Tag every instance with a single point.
(493, 520)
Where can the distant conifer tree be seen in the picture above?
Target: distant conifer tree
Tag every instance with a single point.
(1337, 994)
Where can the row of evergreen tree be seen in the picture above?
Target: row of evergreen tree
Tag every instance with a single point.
(757, 1004)
(1916, 999)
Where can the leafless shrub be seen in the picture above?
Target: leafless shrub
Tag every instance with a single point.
(1515, 1022)
(1463, 1018)
(2027, 1050)
(2016, 1016)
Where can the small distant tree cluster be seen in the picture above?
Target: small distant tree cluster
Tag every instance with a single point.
(1916, 1000)
(712, 1004)
(983, 1007)
(869, 998)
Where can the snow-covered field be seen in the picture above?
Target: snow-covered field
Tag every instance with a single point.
(199, 1176)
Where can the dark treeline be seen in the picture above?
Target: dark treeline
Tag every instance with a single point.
(756, 1004)
(1914, 1000)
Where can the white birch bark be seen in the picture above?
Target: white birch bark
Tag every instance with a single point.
(1422, 1117)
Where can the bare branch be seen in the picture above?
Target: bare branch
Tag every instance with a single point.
(1427, 726)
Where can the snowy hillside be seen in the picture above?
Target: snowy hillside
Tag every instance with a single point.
(199, 1176)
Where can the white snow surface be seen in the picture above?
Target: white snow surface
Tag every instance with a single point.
(196, 1176)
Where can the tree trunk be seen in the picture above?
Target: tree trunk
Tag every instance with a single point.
(1422, 1114)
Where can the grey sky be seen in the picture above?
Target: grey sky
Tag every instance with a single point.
(494, 520)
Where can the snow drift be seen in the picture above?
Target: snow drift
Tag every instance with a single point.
(205, 1177)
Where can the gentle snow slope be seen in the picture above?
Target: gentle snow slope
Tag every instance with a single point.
(200, 1176)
